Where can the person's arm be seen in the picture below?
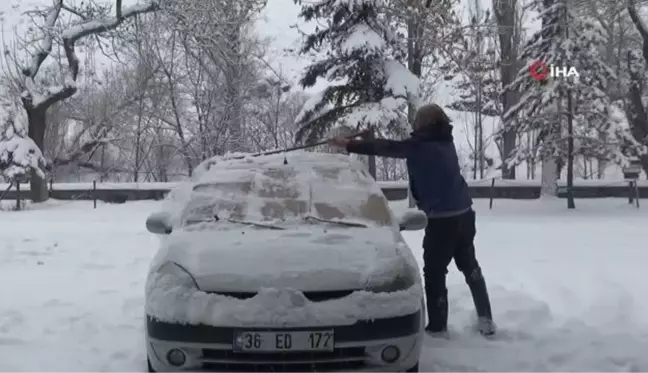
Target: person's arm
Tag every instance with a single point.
(380, 147)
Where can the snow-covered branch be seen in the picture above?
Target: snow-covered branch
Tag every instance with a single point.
(73, 157)
(35, 98)
(46, 44)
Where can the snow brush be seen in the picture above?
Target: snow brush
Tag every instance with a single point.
(362, 134)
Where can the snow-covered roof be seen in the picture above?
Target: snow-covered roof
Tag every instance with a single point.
(215, 165)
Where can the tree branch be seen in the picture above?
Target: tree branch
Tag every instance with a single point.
(32, 98)
(640, 26)
(46, 43)
(76, 155)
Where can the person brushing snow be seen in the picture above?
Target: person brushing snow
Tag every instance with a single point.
(441, 192)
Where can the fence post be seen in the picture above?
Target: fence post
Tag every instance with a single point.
(18, 195)
(372, 158)
(492, 193)
(94, 193)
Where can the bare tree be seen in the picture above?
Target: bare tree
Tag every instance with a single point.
(221, 29)
(37, 96)
(272, 124)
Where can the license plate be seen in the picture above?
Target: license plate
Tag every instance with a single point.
(251, 341)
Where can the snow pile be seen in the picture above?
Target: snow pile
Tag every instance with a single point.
(19, 155)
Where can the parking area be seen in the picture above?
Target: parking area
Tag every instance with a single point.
(565, 287)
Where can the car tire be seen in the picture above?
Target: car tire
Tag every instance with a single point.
(415, 368)
(151, 370)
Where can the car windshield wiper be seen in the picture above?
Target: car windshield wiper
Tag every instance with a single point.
(338, 222)
(215, 218)
(256, 224)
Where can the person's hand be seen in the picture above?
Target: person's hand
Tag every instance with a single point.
(339, 142)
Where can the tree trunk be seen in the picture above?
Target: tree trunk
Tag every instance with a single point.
(570, 132)
(372, 158)
(480, 131)
(415, 65)
(635, 110)
(234, 113)
(570, 153)
(638, 117)
(505, 14)
(551, 164)
(233, 94)
(549, 187)
(37, 123)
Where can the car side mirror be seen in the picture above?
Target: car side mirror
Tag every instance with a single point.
(159, 223)
(413, 221)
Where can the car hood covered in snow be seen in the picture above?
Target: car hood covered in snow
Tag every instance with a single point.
(312, 258)
(279, 266)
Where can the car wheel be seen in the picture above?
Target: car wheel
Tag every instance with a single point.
(151, 370)
(415, 368)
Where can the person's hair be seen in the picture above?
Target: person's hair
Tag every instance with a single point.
(431, 115)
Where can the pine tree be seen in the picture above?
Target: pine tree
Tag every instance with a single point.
(370, 86)
(545, 107)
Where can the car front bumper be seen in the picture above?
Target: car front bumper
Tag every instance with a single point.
(358, 347)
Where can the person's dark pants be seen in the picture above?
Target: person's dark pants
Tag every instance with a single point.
(446, 239)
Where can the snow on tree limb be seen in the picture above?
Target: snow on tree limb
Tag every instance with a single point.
(377, 86)
(46, 43)
(33, 98)
(73, 34)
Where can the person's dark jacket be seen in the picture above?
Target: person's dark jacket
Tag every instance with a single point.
(433, 166)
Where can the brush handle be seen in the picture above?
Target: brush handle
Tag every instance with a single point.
(301, 147)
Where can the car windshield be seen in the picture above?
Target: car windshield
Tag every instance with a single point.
(324, 196)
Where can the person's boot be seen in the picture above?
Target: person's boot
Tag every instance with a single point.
(437, 310)
(479, 292)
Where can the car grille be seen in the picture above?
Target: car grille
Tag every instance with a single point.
(340, 359)
(313, 296)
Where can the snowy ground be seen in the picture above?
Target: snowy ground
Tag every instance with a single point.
(568, 289)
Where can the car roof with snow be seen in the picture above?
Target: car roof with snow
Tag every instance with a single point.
(286, 186)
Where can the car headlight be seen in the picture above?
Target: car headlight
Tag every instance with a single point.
(174, 275)
(402, 281)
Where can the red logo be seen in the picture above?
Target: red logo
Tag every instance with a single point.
(539, 71)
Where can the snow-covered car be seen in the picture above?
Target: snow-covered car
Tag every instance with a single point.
(283, 263)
